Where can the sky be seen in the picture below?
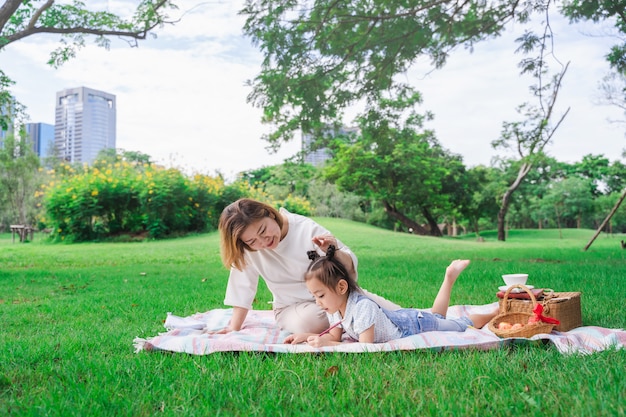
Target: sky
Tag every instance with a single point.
(181, 96)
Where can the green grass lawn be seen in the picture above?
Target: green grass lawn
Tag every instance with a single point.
(69, 314)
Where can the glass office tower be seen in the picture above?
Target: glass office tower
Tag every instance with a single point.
(85, 122)
(42, 138)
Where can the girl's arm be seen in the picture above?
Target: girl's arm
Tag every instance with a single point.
(331, 338)
(367, 336)
(316, 341)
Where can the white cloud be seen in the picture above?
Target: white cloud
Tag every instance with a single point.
(181, 97)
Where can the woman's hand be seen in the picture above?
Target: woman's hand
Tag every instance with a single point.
(236, 321)
(222, 331)
(324, 241)
(297, 338)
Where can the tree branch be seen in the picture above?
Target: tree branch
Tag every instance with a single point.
(38, 14)
(7, 9)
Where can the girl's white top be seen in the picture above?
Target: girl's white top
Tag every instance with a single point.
(363, 313)
(282, 268)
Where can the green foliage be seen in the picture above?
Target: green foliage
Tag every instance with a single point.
(11, 111)
(570, 199)
(598, 11)
(281, 181)
(399, 165)
(75, 20)
(474, 194)
(298, 205)
(603, 206)
(112, 198)
(486, 186)
(19, 177)
(321, 58)
(300, 188)
(329, 201)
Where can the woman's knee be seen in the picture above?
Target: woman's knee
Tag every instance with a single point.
(302, 318)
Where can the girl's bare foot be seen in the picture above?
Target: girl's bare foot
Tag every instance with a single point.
(454, 269)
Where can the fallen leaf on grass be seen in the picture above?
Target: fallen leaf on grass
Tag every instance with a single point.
(333, 370)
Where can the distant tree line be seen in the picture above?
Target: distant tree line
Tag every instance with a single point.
(431, 192)
(415, 185)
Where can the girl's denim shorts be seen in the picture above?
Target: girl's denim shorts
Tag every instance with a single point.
(412, 321)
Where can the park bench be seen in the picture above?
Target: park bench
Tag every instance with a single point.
(23, 231)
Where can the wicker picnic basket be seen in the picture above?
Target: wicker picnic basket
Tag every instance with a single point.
(527, 330)
(563, 306)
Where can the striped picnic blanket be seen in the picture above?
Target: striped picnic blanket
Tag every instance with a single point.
(260, 334)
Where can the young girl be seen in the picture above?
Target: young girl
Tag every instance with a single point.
(364, 320)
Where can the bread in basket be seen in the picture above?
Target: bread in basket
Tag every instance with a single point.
(528, 329)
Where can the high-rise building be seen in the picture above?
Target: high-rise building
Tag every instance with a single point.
(319, 156)
(84, 124)
(42, 138)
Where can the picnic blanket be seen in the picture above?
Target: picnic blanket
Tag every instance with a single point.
(261, 334)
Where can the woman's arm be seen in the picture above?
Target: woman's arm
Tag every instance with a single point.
(324, 241)
(236, 321)
(239, 316)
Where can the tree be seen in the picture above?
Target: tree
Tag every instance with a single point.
(111, 156)
(569, 199)
(595, 168)
(280, 181)
(616, 177)
(11, 111)
(530, 136)
(18, 179)
(485, 184)
(391, 163)
(613, 88)
(329, 201)
(73, 21)
(599, 10)
(322, 57)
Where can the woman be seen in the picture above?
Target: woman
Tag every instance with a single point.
(258, 240)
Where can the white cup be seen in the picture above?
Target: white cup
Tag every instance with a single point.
(512, 279)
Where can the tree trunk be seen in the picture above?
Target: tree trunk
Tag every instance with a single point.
(434, 227)
(411, 224)
(608, 218)
(506, 199)
(558, 220)
(502, 215)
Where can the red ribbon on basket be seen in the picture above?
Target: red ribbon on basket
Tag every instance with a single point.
(538, 309)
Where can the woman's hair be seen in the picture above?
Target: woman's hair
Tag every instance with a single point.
(233, 221)
(329, 270)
